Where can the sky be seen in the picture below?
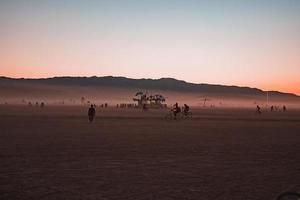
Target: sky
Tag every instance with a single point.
(234, 42)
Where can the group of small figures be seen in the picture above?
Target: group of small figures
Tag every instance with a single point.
(126, 105)
(277, 108)
(42, 104)
(105, 105)
(272, 108)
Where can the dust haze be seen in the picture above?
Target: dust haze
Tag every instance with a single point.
(71, 95)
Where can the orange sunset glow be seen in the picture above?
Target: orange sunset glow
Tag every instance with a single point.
(197, 42)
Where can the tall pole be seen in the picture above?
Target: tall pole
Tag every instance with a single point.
(267, 98)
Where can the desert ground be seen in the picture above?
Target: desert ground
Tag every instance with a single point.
(55, 153)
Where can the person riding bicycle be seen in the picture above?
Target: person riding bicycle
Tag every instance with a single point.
(176, 109)
(186, 109)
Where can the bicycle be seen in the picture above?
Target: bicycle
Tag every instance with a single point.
(186, 115)
(170, 115)
(179, 116)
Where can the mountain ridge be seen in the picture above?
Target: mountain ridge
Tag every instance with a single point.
(171, 84)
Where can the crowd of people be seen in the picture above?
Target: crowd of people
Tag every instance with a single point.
(272, 108)
(176, 109)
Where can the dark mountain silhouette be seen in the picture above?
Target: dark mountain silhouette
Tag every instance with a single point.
(169, 84)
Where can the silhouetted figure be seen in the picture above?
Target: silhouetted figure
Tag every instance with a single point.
(176, 109)
(258, 109)
(29, 104)
(284, 108)
(91, 113)
(42, 104)
(105, 105)
(145, 107)
(272, 108)
(186, 109)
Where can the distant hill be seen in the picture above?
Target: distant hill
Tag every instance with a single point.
(167, 84)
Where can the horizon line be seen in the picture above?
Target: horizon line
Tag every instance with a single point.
(94, 76)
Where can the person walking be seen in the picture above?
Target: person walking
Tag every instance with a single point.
(258, 110)
(91, 113)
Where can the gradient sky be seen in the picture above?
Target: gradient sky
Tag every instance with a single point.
(252, 43)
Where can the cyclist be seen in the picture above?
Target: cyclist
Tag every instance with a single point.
(176, 109)
(186, 109)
